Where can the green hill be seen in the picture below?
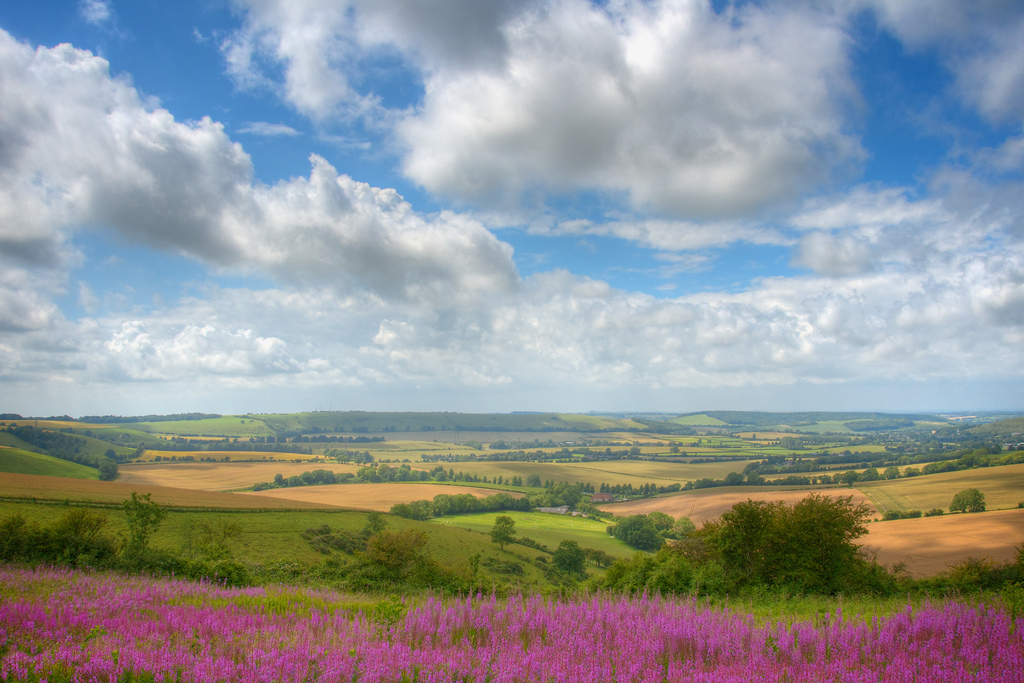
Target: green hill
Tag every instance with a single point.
(1008, 427)
(17, 461)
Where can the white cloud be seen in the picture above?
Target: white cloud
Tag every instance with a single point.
(96, 12)
(268, 129)
(686, 111)
(676, 108)
(79, 148)
(674, 235)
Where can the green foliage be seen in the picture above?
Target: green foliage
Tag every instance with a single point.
(804, 548)
(968, 500)
(890, 515)
(208, 540)
(503, 531)
(638, 531)
(143, 516)
(570, 558)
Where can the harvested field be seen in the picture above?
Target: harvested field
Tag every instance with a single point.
(711, 503)
(219, 476)
(76, 490)
(1003, 488)
(929, 545)
(369, 496)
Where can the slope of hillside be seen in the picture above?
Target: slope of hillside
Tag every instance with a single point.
(18, 461)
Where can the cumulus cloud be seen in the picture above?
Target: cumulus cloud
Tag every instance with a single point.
(688, 112)
(79, 148)
(678, 108)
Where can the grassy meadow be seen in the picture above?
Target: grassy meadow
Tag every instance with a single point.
(18, 461)
(545, 528)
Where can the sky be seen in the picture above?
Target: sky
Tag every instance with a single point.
(240, 206)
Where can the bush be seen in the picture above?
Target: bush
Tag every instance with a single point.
(889, 515)
(935, 512)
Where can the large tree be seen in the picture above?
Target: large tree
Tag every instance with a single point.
(968, 500)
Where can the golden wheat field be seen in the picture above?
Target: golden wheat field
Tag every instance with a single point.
(219, 476)
(1003, 488)
(368, 496)
(707, 504)
(63, 488)
(929, 545)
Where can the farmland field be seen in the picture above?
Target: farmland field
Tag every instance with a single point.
(549, 529)
(706, 504)
(17, 461)
(379, 497)
(1003, 488)
(220, 476)
(928, 545)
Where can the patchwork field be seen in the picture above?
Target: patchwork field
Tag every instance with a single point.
(61, 488)
(219, 476)
(379, 497)
(706, 504)
(1003, 488)
(928, 545)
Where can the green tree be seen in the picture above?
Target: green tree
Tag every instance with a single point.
(808, 547)
(661, 521)
(108, 469)
(143, 517)
(638, 531)
(968, 500)
(570, 558)
(503, 531)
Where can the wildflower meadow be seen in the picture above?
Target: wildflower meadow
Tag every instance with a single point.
(64, 625)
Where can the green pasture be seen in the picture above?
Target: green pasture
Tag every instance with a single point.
(229, 425)
(1003, 488)
(545, 528)
(17, 461)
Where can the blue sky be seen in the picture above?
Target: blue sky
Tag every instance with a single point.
(269, 205)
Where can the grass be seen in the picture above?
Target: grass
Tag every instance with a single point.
(545, 528)
(17, 461)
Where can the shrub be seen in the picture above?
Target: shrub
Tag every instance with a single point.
(935, 512)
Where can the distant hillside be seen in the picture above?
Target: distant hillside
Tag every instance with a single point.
(1013, 425)
(740, 418)
(361, 422)
(17, 461)
(374, 422)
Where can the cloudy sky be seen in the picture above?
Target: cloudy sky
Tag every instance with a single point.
(496, 205)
